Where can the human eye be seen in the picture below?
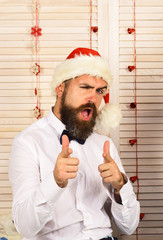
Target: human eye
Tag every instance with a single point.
(101, 90)
(85, 86)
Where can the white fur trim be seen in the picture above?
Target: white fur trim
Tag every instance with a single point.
(108, 118)
(80, 65)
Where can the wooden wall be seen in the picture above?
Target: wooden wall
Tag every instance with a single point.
(149, 48)
(65, 25)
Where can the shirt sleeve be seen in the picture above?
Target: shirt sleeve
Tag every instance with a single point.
(33, 199)
(125, 215)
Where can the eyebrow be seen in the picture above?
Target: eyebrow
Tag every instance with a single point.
(89, 86)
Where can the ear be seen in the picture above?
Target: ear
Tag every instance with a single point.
(60, 89)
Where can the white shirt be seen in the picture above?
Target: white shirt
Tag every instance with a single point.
(44, 211)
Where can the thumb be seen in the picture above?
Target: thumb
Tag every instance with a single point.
(106, 152)
(66, 151)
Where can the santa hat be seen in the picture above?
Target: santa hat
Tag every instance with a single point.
(88, 61)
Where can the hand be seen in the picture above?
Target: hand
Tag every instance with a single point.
(109, 170)
(66, 167)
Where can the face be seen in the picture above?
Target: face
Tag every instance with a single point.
(79, 104)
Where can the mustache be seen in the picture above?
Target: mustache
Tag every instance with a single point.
(87, 105)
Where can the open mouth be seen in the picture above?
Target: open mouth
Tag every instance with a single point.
(86, 114)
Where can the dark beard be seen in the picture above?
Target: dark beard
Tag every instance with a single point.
(77, 128)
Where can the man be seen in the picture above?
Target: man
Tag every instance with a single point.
(68, 181)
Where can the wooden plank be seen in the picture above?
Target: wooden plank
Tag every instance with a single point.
(142, 162)
(67, 7)
(145, 37)
(49, 23)
(145, 92)
(25, 100)
(150, 99)
(145, 134)
(147, 9)
(142, 80)
(141, 44)
(140, 3)
(48, 37)
(155, 51)
(141, 16)
(142, 155)
(48, 2)
(46, 44)
(47, 16)
(144, 86)
(150, 141)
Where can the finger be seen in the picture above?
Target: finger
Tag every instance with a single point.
(66, 151)
(106, 152)
(106, 148)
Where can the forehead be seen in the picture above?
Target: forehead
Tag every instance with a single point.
(96, 82)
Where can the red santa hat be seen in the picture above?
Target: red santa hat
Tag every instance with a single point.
(88, 61)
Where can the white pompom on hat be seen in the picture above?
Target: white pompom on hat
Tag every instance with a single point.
(87, 61)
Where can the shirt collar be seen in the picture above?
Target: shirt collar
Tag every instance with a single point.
(55, 122)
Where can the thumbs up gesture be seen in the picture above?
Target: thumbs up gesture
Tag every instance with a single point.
(66, 167)
(109, 170)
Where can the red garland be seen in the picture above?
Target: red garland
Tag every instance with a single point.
(36, 32)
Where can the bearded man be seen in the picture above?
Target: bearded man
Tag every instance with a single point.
(68, 181)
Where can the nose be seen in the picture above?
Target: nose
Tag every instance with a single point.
(92, 98)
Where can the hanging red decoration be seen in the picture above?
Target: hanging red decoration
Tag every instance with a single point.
(36, 69)
(133, 105)
(132, 141)
(94, 29)
(35, 91)
(36, 31)
(131, 30)
(131, 68)
(142, 216)
(133, 179)
(37, 112)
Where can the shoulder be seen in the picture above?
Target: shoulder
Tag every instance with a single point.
(34, 129)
